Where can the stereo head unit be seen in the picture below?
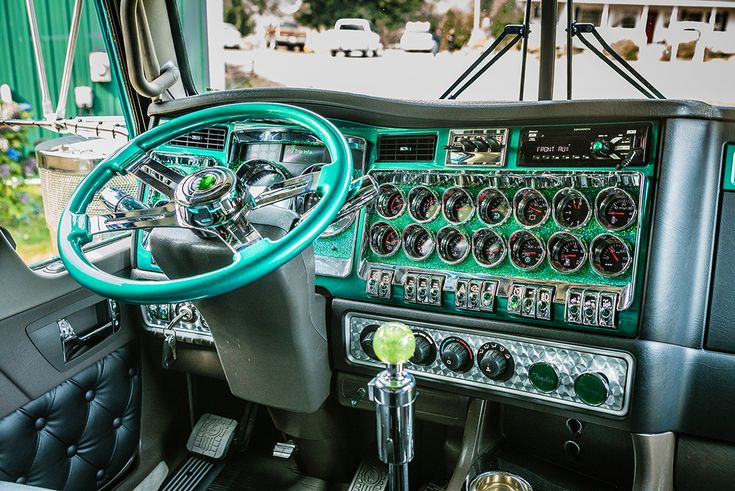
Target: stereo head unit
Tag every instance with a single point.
(620, 145)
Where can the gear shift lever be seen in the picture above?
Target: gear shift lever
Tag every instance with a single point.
(394, 392)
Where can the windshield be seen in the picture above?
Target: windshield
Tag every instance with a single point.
(684, 48)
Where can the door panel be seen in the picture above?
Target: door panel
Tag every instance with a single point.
(66, 422)
(80, 435)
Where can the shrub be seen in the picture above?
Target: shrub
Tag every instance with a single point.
(627, 49)
(17, 206)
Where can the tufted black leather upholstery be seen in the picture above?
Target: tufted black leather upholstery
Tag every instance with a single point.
(81, 434)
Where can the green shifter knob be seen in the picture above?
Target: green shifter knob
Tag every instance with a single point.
(394, 343)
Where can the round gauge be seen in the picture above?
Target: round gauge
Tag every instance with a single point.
(530, 207)
(567, 253)
(526, 250)
(418, 243)
(493, 207)
(488, 247)
(615, 209)
(305, 202)
(571, 209)
(390, 203)
(258, 174)
(384, 239)
(453, 245)
(423, 204)
(457, 205)
(610, 255)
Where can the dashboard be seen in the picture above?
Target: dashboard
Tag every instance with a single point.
(598, 304)
(558, 260)
(536, 224)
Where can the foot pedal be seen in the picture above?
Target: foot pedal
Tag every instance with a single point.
(372, 475)
(284, 450)
(212, 436)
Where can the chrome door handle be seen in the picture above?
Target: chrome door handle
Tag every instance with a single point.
(73, 345)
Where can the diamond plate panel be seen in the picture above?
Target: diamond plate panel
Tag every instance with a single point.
(570, 362)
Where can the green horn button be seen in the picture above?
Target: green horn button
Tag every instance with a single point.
(207, 182)
(394, 343)
(543, 376)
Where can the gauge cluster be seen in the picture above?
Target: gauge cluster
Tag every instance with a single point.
(550, 230)
(573, 225)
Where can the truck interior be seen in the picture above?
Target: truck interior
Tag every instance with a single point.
(302, 289)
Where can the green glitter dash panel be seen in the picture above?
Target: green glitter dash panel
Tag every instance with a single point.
(586, 275)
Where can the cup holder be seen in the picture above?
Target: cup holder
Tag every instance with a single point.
(499, 481)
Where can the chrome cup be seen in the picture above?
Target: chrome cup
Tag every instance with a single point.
(499, 481)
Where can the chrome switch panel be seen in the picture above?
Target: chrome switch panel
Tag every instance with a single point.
(573, 366)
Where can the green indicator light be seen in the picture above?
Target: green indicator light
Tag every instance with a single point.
(592, 388)
(597, 145)
(394, 343)
(207, 182)
(543, 376)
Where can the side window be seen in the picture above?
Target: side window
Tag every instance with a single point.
(31, 198)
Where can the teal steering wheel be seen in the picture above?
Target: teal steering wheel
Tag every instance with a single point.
(212, 200)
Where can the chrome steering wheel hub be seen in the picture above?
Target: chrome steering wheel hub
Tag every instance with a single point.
(212, 197)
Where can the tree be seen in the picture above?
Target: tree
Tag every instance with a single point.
(386, 14)
(239, 16)
(508, 13)
(458, 22)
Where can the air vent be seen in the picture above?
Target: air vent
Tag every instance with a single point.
(409, 148)
(209, 138)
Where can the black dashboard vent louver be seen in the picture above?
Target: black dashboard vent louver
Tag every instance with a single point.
(209, 138)
(406, 148)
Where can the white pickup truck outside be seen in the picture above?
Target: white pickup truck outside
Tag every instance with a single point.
(354, 37)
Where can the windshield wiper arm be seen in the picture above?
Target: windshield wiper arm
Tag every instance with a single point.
(517, 29)
(632, 77)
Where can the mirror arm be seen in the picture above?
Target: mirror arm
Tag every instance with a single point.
(69, 60)
(46, 105)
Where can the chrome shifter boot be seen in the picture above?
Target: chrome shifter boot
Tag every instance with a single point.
(394, 392)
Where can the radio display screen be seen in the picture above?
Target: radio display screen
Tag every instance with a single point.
(583, 146)
(304, 154)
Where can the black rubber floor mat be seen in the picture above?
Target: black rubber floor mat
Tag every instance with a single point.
(249, 472)
(194, 474)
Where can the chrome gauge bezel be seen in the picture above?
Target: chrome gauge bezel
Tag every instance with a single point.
(414, 197)
(449, 197)
(594, 255)
(409, 236)
(382, 195)
(557, 203)
(479, 206)
(385, 227)
(441, 237)
(553, 240)
(334, 228)
(476, 239)
(520, 196)
(607, 194)
(514, 237)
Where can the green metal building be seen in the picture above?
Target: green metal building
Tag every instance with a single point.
(18, 67)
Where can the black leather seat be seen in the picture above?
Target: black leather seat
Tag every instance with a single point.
(80, 435)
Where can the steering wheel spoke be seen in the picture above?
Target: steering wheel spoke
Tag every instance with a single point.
(160, 216)
(287, 189)
(238, 234)
(153, 173)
